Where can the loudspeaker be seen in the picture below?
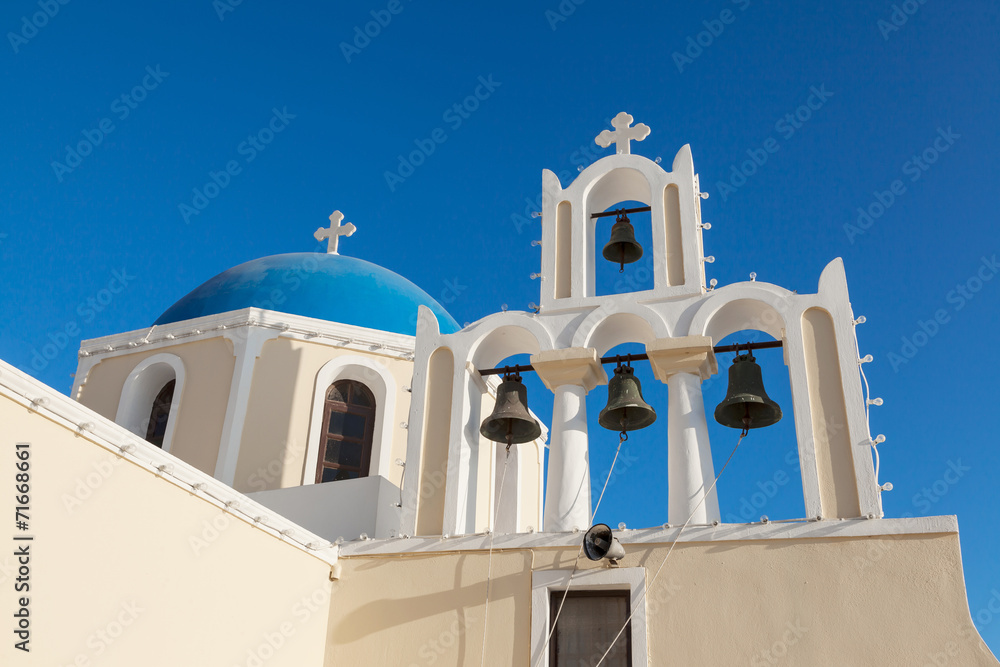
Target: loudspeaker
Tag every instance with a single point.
(600, 542)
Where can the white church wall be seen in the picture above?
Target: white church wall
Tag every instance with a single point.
(138, 558)
(281, 435)
(853, 592)
(345, 509)
(198, 427)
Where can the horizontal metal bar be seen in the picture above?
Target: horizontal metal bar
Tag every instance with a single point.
(506, 369)
(627, 358)
(626, 211)
(748, 346)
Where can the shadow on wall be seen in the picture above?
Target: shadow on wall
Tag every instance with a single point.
(441, 598)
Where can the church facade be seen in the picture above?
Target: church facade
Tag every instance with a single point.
(292, 466)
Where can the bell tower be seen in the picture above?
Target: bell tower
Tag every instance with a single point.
(459, 478)
(571, 216)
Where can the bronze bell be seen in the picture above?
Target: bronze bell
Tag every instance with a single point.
(746, 404)
(622, 248)
(626, 410)
(511, 422)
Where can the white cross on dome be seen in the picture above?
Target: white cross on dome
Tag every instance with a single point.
(334, 232)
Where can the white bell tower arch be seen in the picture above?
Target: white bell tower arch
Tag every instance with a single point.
(677, 320)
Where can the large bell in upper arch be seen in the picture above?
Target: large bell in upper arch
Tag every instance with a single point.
(622, 248)
(746, 404)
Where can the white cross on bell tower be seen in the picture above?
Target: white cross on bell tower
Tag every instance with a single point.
(334, 232)
(623, 134)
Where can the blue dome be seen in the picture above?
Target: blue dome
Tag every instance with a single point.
(326, 287)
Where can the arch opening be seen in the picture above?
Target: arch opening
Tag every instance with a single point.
(764, 477)
(637, 276)
(345, 448)
(620, 328)
(159, 415)
(506, 341)
(642, 461)
(515, 496)
(151, 397)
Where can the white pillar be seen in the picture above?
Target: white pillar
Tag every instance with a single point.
(689, 454)
(567, 496)
(569, 373)
(248, 342)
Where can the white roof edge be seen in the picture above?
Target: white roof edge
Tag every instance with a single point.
(724, 532)
(296, 326)
(42, 399)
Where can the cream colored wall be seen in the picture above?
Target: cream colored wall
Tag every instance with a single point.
(434, 443)
(276, 431)
(118, 577)
(208, 367)
(834, 462)
(531, 471)
(893, 600)
(422, 610)
(486, 481)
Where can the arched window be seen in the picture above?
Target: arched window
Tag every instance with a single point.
(156, 429)
(346, 440)
(151, 399)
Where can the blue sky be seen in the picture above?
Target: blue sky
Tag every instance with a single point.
(888, 107)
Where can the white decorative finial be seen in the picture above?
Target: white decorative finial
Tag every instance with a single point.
(334, 232)
(623, 134)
